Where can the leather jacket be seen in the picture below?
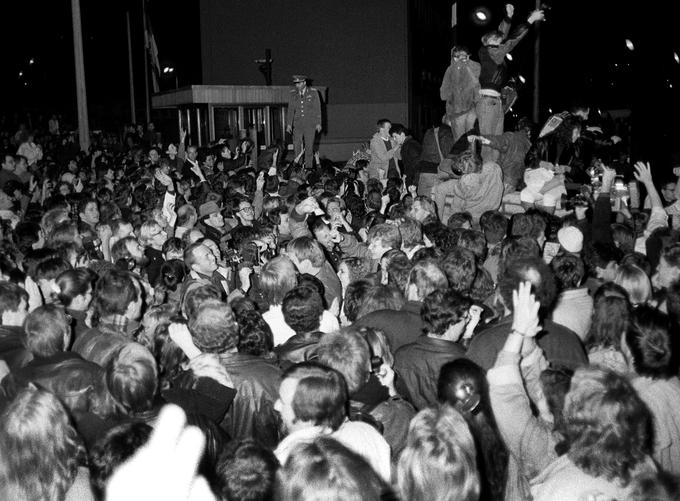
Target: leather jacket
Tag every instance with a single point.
(79, 384)
(252, 414)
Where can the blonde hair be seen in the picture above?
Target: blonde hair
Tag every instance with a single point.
(636, 282)
(146, 231)
(439, 461)
(40, 449)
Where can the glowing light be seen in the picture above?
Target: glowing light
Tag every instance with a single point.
(676, 57)
(168, 69)
(21, 74)
(509, 56)
(549, 110)
(522, 79)
(629, 44)
(31, 61)
(481, 15)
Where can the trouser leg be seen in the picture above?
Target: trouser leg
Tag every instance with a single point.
(310, 136)
(297, 140)
(490, 115)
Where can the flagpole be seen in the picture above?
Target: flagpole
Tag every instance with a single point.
(146, 64)
(81, 92)
(133, 111)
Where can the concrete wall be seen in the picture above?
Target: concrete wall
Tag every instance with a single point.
(356, 48)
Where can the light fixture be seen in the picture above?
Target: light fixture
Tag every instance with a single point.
(522, 79)
(629, 44)
(509, 56)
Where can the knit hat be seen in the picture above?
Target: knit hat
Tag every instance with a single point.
(571, 239)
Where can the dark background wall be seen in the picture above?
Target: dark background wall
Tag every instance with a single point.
(356, 48)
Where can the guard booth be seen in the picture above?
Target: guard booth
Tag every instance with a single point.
(210, 112)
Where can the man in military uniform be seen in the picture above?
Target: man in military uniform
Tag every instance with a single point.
(304, 117)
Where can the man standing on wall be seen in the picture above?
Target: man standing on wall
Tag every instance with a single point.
(304, 117)
(494, 74)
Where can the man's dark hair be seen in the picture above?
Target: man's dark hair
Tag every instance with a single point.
(653, 347)
(111, 450)
(195, 297)
(555, 382)
(460, 267)
(173, 244)
(411, 232)
(443, 308)
(514, 248)
(302, 309)
(255, 337)
(529, 224)
(600, 254)
(533, 270)
(321, 395)
(373, 200)
(82, 205)
(50, 269)
(398, 129)
(475, 242)
(494, 225)
(354, 297)
(246, 471)
(398, 269)
(459, 220)
(309, 280)
(381, 122)
(26, 234)
(113, 293)
(381, 297)
(569, 271)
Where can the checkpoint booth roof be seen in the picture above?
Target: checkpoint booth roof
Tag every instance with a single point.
(208, 112)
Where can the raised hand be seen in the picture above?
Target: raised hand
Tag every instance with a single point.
(525, 311)
(643, 172)
(165, 468)
(537, 15)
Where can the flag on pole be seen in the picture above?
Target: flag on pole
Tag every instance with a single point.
(152, 51)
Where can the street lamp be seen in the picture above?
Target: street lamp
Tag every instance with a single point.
(169, 70)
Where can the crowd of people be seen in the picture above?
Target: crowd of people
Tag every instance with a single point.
(197, 323)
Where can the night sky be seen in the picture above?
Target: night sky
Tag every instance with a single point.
(584, 56)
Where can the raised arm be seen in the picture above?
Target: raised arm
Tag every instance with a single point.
(643, 173)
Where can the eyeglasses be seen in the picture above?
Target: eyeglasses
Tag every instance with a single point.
(249, 208)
